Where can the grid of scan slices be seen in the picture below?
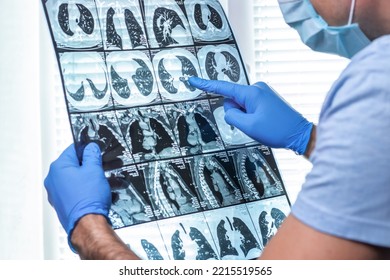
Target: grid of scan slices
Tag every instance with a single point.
(185, 185)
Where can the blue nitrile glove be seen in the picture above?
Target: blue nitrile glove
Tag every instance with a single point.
(75, 191)
(261, 113)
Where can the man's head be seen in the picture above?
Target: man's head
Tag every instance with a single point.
(342, 27)
(373, 16)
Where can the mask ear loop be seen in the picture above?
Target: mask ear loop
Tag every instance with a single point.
(351, 12)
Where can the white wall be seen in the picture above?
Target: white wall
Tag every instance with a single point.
(20, 168)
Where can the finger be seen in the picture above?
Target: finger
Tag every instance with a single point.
(68, 156)
(92, 155)
(231, 104)
(239, 119)
(230, 90)
(47, 184)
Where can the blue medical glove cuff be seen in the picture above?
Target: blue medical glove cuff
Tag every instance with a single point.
(302, 138)
(97, 210)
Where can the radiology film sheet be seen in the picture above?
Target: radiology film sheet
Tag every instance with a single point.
(184, 183)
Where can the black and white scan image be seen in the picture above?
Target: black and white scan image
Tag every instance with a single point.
(75, 24)
(132, 78)
(102, 128)
(145, 241)
(86, 81)
(171, 188)
(194, 127)
(231, 136)
(122, 24)
(207, 20)
(223, 63)
(173, 67)
(148, 133)
(167, 24)
(214, 178)
(268, 215)
(258, 176)
(130, 199)
(234, 232)
(188, 238)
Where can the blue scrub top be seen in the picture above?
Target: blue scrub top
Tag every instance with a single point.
(347, 193)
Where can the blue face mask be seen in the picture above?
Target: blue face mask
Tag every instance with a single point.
(344, 40)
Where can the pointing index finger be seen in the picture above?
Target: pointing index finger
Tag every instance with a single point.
(230, 90)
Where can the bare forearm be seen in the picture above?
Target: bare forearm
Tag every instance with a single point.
(312, 142)
(294, 241)
(94, 239)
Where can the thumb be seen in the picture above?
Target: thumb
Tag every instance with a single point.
(91, 155)
(239, 119)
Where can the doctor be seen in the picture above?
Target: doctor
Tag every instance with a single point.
(343, 209)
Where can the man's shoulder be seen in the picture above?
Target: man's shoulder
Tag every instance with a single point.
(368, 71)
(383, 40)
(362, 91)
(378, 50)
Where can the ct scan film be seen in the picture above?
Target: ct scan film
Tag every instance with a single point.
(185, 185)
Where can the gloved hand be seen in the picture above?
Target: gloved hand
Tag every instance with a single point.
(75, 191)
(261, 113)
